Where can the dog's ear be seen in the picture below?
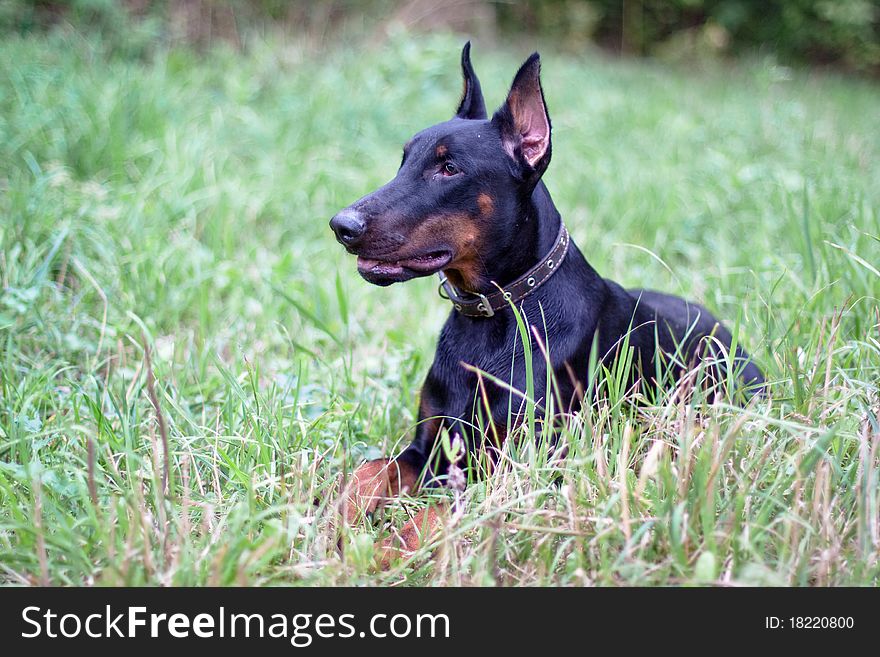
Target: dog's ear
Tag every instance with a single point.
(471, 105)
(524, 122)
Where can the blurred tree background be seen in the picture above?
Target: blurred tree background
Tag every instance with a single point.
(842, 33)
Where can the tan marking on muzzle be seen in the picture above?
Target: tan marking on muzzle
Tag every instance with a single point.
(463, 233)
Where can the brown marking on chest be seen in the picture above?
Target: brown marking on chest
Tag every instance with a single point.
(430, 418)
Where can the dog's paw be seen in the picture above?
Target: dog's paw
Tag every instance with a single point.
(373, 484)
(405, 541)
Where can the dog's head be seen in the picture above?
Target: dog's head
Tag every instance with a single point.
(456, 200)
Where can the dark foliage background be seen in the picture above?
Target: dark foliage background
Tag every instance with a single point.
(844, 33)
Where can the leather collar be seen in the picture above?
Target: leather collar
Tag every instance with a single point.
(481, 305)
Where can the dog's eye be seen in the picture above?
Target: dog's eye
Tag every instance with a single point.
(449, 169)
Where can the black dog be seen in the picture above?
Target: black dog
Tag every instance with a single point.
(468, 203)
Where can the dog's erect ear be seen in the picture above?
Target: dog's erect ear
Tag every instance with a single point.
(523, 119)
(472, 105)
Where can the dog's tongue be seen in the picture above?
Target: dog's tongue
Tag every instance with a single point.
(379, 267)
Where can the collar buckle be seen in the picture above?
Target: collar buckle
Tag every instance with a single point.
(484, 306)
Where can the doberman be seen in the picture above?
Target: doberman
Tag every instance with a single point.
(468, 204)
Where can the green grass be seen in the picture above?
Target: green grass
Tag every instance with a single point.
(182, 203)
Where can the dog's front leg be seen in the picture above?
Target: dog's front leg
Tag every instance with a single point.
(376, 482)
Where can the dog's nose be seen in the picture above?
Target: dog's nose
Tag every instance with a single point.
(349, 226)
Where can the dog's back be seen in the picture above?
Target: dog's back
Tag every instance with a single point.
(690, 332)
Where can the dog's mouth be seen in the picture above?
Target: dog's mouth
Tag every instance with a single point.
(387, 271)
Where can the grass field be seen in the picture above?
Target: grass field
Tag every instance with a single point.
(182, 203)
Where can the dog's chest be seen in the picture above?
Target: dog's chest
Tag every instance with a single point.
(498, 350)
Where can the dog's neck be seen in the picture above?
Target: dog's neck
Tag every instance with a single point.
(536, 232)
